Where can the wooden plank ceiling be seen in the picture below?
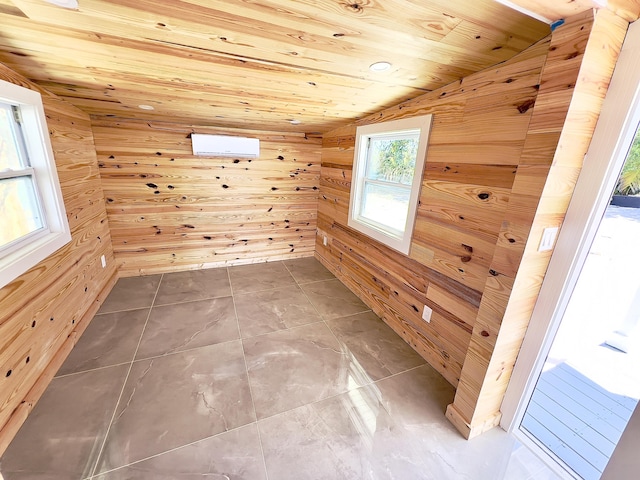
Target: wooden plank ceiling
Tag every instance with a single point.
(264, 64)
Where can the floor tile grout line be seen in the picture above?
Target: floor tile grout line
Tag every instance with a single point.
(168, 354)
(246, 370)
(92, 369)
(353, 315)
(340, 343)
(372, 382)
(322, 319)
(368, 384)
(391, 415)
(305, 294)
(367, 309)
(318, 281)
(286, 329)
(177, 448)
(122, 311)
(400, 373)
(126, 379)
(190, 301)
(251, 292)
(93, 474)
(325, 320)
(281, 287)
(315, 401)
(240, 337)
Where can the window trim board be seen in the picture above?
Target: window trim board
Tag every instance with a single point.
(400, 243)
(35, 247)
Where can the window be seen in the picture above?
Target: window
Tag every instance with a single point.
(33, 222)
(388, 167)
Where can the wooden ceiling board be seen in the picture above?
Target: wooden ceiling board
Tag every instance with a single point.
(266, 47)
(255, 63)
(627, 9)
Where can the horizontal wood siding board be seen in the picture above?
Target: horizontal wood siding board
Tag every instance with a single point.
(501, 176)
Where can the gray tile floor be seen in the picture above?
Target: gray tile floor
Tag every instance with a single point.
(269, 371)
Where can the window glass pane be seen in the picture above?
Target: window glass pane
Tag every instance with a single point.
(387, 205)
(10, 157)
(19, 212)
(393, 159)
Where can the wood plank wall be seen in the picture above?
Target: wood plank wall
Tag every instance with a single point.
(504, 154)
(43, 311)
(478, 133)
(170, 210)
(583, 55)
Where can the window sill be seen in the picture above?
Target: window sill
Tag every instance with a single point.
(17, 263)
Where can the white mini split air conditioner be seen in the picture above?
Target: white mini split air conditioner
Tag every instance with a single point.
(223, 146)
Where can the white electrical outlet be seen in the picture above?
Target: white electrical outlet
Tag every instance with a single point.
(324, 241)
(104, 261)
(548, 239)
(426, 314)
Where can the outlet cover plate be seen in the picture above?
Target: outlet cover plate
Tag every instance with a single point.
(426, 314)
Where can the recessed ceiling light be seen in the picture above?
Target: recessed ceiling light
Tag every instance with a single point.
(295, 122)
(65, 3)
(146, 107)
(379, 66)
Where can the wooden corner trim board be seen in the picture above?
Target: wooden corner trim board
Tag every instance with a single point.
(22, 411)
(470, 431)
(571, 117)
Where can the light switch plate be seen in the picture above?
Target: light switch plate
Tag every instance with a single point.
(426, 314)
(104, 261)
(548, 239)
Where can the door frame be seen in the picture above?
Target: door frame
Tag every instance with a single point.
(613, 135)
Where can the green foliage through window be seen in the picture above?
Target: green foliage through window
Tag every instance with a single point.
(397, 160)
(629, 181)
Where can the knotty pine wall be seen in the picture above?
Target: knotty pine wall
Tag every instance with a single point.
(45, 310)
(505, 150)
(574, 82)
(477, 136)
(170, 210)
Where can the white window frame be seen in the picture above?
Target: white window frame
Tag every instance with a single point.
(31, 249)
(400, 241)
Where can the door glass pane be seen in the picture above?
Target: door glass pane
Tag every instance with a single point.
(590, 383)
(19, 212)
(393, 159)
(387, 205)
(10, 153)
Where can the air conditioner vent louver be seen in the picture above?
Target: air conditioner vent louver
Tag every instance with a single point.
(224, 146)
